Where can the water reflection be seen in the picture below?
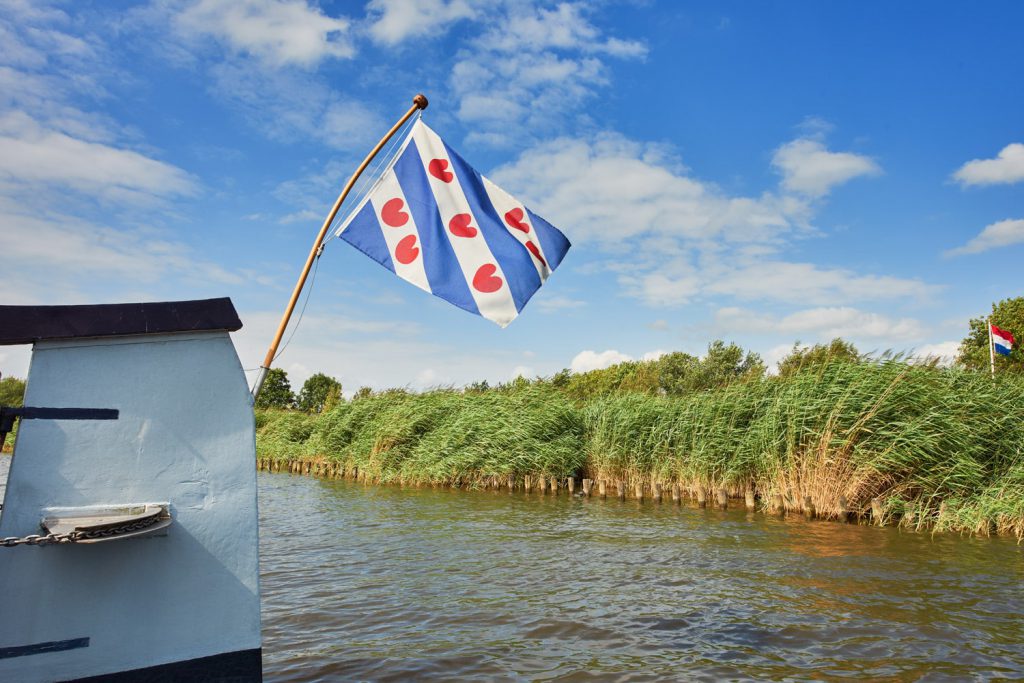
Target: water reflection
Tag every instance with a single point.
(386, 583)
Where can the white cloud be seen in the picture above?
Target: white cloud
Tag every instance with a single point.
(1007, 168)
(585, 361)
(524, 371)
(1001, 234)
(530, 68)
(946, 352)
(822, 323)
(809, 168)
(278, 32)
(654, 355)
(31, 153)
(673, 237)
(609, 188)
(808, 283)
(553, 304)
(397, 20)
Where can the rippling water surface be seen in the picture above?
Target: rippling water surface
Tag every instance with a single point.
(388, 583)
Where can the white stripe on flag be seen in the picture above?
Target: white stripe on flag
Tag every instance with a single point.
(515, 219)
(400, 232)
(1001, 342)
(486, 281)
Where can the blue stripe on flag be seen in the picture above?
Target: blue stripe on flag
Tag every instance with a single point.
(553, 243)
(1003, 350)
(364, 233)
(442, 267)
(515, 261)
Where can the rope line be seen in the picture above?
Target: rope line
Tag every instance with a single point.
(369, 179)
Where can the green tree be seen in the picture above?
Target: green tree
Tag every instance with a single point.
(723, 364)
(361, 393)
(676, 371)
(12, 391)
(802, 358)
(317, 392)
(1008, 315)
(276, 391)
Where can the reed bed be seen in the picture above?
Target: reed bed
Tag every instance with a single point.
(940, 449)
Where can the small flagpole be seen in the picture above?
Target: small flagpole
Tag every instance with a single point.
(418, 103)
(991, 349)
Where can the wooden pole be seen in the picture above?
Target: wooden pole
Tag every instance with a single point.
(702, 497)
(657, 492)
(620, 490)
(748, 498)
(418, 103)
(571, 484)
(676, 497)
(602, 488)
(587, 486)
(723, 498)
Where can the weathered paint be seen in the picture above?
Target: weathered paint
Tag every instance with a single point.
(185, 434)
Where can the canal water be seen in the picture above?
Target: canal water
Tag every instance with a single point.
(388, 583)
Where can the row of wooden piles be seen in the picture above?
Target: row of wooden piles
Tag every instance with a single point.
(603, 488)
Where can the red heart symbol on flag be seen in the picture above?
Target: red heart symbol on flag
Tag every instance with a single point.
(406, 250)
(460, 225)
(437, 168)
(485, 280)
(536, 252)
(515, 219)
(392, 214)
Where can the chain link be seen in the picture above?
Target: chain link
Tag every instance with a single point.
(80, 534)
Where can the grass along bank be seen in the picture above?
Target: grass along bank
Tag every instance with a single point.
(941, 449)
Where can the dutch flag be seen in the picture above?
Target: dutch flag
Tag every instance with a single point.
(1002, 340)
(434, 221)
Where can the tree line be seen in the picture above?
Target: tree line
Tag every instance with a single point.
(674, 374)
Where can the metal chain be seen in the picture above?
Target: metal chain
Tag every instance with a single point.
(37, 539)
(79, 534)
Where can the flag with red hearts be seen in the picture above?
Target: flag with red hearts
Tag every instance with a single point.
(434, 221)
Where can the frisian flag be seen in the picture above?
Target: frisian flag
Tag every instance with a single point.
(1002, 340)
(434, 221)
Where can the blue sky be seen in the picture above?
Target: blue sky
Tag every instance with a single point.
(757, 172)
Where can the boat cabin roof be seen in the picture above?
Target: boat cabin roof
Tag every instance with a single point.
(29, 324)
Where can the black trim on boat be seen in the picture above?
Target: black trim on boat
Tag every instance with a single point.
(43, 648)
(245, 666)
(29, 324)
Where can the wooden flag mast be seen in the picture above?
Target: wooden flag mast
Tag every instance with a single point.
(418, 103)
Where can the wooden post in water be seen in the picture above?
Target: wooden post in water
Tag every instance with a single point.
(511, 483)
(554, 486)
(844, 512)
(876, 511)
(621, 489)
(748, 498)
(587, 485)
(638, 490)
(526, 483)
(702, 497)
(676, 497)
(657, 492)
(602, 488)
(542, 485)
(723, 499)
(778, 504)
(808, 507)
(570, 483)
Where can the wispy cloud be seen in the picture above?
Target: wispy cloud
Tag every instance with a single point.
(823, 324)
(1006, 168)
(1000, 234)
(277, 32)
(809, 168)
(393, 21)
